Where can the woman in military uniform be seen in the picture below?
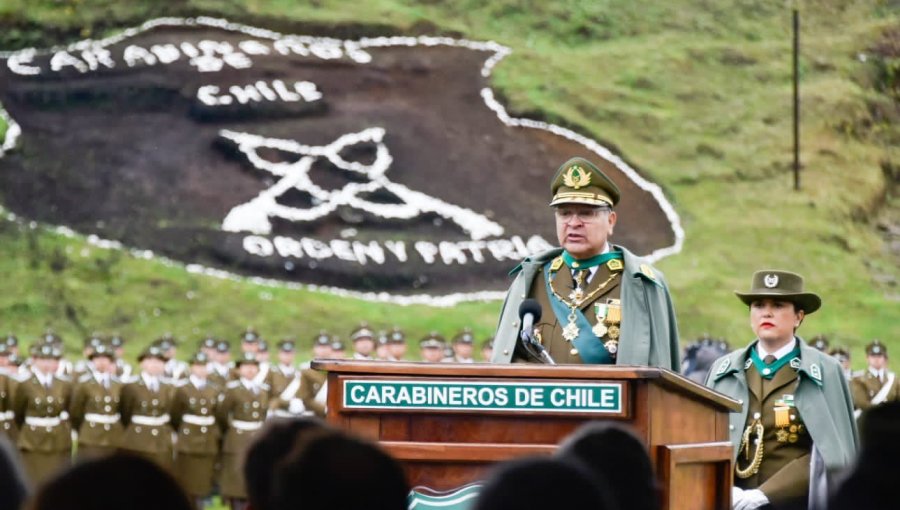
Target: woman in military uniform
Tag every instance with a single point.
(193, 415)
(240, 413)
(95, 405)
(41, 406)
(145, 410)
(797, 415)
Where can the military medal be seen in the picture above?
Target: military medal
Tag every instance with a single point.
(570, 332)
(782, 436)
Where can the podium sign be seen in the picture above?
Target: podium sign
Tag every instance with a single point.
(398, 395)
(448, 423)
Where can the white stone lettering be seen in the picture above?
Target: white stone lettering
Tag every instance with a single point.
(166, 53)
(427, 251)
(368, 251)
(18, 63)
(451, 253)
(258, 245)
(251, 47)
(398, 248)
(134, 54)
(62, 59)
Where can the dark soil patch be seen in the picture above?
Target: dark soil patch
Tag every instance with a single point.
(130, 154)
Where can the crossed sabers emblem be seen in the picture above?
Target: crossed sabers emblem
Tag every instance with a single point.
(254, 216)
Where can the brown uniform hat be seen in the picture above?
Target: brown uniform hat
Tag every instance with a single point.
(876, 348)
(781, 286)
(578, 181)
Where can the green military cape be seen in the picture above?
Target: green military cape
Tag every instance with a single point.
(649, 333)
(822, 397)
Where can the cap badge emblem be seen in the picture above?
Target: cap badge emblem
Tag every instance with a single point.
(576, 177)
(770, 281)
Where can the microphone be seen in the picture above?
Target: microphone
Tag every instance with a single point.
(529, 313)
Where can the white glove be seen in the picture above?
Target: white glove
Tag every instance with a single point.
(736, 495)
(750, 500)
(296, 406)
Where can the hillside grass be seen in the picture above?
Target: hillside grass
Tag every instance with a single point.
(697, 95)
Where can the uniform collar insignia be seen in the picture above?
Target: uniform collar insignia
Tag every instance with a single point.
(723, 366)
(795, 363)
(815, 372)
(748, 363)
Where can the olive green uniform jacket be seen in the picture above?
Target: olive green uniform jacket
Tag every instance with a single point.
(822, 399)
(865, 386)
(45, 433)
(145, 415)
(8, 383)
(649, 333)
(95, 415)
(198, 435)
(311, 383)
(240, 413)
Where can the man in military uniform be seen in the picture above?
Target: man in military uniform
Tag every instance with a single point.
(262, 357)
(363, 339)
(193, 417)
(396, 344)
(250, 341)
(819, 342)
(41, 408)
(220, 367)
(123, 368)
(381, 346)
(95, 405)
(431, 347)
(83, 365)
(208, 346)
(463, 346)
(876, 385)
(600, 303)
(796, 426)
(145, 409)
(8, 382)
(281, 375)
(240, 413)
(338, 350)
(842, 355)
(487, 349)
(321, 348)
(175, 369)
(12, 343)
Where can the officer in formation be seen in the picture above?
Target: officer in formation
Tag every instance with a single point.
(197, 434)
(463, 344)
(40, 405)
(876, 384)
(145, 405)
(240, 413)
(95, 404)
(431, 347)
(796, 427)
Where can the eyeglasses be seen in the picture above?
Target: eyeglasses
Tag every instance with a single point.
(584, 215)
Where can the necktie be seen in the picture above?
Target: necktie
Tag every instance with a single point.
(768, 360)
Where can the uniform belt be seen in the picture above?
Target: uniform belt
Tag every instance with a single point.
(246, 425)
(47, 421)
(7, 415)
(195, 419)
(106, 419)
(150, 421)
(281, 413)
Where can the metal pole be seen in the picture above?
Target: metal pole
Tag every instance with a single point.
(796, 97)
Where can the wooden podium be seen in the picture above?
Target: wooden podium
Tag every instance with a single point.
(448, 422)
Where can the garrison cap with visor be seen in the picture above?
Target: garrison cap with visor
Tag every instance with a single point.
(876, 348)
(578, 181)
